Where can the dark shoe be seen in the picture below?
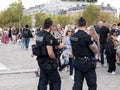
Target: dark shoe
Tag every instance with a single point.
(118, 64)
(60, 69)
(98, 60)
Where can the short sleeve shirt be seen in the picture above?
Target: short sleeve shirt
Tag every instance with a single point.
(85, 41)
(50, 41)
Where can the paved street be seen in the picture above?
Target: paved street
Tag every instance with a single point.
(17, 72)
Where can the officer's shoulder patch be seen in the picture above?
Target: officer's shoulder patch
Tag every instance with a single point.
(92, 38)
(51, 41)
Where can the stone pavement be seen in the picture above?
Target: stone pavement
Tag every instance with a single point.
(17, 72)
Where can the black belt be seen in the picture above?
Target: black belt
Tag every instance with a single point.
(84, 59)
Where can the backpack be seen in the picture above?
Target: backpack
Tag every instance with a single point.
(39, 48)
(26, 33)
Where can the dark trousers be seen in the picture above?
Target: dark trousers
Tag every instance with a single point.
(52, 78)
(90, 77)
(71, 62)
(102, 48)
(111, 60)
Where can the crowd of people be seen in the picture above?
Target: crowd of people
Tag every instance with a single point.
(78, 45)
(100, 33)
(75, 43)
(13, 35)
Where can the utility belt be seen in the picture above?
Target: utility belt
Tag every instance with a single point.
(52, 65)
(83, 59)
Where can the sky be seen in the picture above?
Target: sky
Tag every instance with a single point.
(29, 3)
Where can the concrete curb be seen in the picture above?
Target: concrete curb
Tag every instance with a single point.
(17, 71)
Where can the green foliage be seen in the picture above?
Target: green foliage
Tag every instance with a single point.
(12, 15)
(26, 20)
(108, 16)
(91, 14)
(62, 19)
(40, 17)
(76, 17)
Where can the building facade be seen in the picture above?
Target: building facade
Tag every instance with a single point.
(58, 7)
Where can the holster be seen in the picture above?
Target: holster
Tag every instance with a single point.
(54, 64)
(48, 68)
(83, 64)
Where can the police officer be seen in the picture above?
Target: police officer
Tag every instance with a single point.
(48, 63)
(83, 49)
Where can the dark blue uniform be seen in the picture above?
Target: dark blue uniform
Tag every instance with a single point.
(84, 66)
(48, 73)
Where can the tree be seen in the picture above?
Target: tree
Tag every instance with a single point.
(91, 14)
(40, 17)
(12, 15)
(4, 19)
(108, 16)
(26, 20)
(57, 19)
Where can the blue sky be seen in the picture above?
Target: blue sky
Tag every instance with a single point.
(29, 3)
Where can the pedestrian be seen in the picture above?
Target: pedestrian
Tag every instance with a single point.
(26, 36)
(110, 51)
(93, 33)
(118, 47)
(98, 26)
(6, 37)
(47, 61)
(67, 56)
(83, 49)
(10, 34)
(59, 33)
(103, 33)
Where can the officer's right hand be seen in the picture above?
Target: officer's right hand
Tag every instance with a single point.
(32, 55)
(61, 46)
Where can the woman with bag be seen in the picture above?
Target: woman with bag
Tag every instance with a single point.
(67, 56)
